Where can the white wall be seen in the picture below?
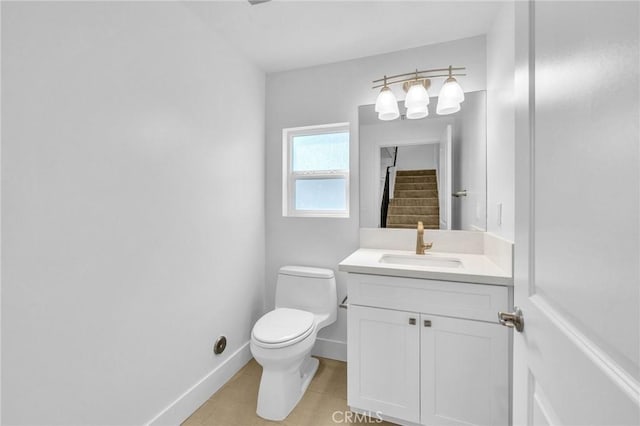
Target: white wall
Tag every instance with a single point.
(402, 132)
(127, 219)
(501, 122)
(331, 94)
(416, 157)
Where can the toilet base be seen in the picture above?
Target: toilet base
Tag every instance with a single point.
(280, 391)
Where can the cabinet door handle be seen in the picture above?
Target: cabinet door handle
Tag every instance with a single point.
(427, 323)
(412, 321)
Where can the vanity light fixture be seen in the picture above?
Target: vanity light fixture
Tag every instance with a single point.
(416, 84)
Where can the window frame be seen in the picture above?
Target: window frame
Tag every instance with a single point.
(289, 177)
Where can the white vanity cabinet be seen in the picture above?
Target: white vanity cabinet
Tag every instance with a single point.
(428, 352)
(383, 364)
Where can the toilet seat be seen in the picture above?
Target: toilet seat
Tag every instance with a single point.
(283, 327)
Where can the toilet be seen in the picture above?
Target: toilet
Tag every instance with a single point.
(281, 340)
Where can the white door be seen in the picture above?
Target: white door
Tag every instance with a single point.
(384, 362)
(577, 214)
(472, 161)
(464, 372)
(444, 176)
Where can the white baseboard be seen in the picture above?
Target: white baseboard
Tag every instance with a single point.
(180, 409)
(332, 349)
(375, 417)
(187, 403)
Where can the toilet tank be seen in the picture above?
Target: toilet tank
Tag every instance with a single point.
(308, 289)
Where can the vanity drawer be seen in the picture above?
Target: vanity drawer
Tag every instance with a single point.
(448, 298)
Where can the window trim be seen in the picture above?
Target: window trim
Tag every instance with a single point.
(289, 177)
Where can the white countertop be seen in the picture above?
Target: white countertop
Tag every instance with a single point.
(476, 268)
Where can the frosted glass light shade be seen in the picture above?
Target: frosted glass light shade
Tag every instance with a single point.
(451, 91)
(386, 100)
(447, 106)
(389, 115)
(417, 96)
(387, 105)
(416, 113)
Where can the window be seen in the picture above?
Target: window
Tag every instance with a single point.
(316, 171)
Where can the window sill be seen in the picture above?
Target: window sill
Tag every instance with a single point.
(318, 215)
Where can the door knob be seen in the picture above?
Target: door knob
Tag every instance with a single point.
(459, 194)
(512, 319)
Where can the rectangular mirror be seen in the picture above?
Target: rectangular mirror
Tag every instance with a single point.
(432, 170)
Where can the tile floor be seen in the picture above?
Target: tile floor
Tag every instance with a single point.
(235, 403)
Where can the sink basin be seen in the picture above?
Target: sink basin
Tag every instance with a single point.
(420, 260)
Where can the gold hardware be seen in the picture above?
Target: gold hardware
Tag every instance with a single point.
(421, 246)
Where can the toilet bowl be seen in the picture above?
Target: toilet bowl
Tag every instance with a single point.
(281, 340)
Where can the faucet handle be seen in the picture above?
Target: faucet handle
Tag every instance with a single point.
(421, 246)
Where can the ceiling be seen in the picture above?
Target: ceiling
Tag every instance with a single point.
(283, 34)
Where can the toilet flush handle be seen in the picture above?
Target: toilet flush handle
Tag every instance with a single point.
(344, 304)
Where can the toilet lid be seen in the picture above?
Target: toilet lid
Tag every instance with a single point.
(282, 325)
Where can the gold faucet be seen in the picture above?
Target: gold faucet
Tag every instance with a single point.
(421, 246)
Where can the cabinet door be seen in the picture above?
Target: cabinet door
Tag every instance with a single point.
(464, 372)
(383, 365)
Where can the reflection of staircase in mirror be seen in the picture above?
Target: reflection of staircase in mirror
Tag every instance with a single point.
(415, 198)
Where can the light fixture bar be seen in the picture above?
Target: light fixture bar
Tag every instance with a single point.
(413, 73)
(414, 78)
